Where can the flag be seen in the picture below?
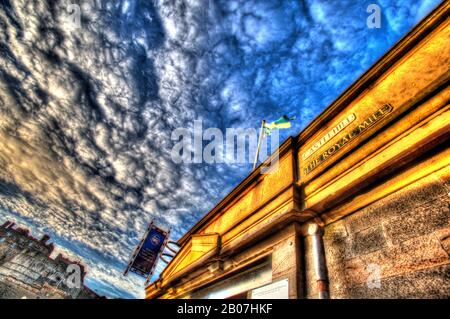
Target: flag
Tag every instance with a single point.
(282, 122)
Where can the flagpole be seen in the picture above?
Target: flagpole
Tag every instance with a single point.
(259, 143)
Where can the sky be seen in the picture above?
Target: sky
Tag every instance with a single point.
(87, 109)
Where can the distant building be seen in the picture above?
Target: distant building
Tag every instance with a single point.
(358, 206)
(28, 271)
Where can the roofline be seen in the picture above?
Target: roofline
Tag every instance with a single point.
(281, 150)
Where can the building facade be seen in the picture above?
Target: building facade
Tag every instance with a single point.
(358, 205)
(27, 270)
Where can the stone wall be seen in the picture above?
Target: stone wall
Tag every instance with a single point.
(398, 247)
(28, 271)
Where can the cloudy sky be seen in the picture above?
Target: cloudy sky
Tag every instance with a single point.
(87, 110)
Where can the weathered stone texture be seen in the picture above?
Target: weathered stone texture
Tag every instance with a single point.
(368, 240)
(404, 237)
(419, 221)
(424, 284)
(28, 271)
(286, 260)
(410, 199)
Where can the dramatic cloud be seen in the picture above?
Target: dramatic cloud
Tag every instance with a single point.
(86, 113)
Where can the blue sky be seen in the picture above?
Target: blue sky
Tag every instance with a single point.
(86, 112)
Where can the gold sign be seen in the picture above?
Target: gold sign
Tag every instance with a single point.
(332, 133)
(361, 128)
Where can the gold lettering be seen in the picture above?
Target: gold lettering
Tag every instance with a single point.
(362, 127)
(329, 135)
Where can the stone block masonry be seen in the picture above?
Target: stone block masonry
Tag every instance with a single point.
(27, 270)
(397, 247)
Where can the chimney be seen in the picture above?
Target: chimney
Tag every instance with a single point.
(44, 239)
(7, 224)
(23, 231)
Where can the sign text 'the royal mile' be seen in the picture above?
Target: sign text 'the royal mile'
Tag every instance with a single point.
(361, 128)
(332, 133)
